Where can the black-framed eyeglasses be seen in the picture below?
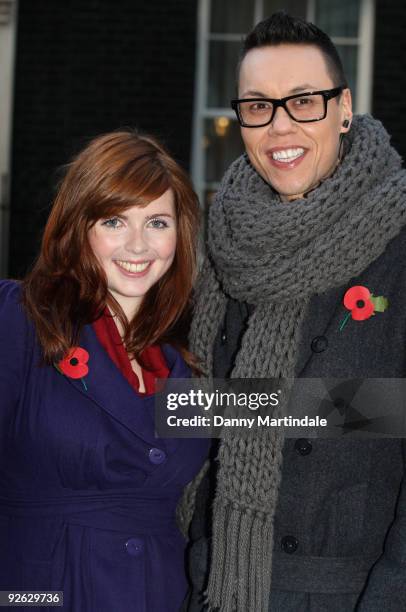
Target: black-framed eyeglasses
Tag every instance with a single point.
(303, 107)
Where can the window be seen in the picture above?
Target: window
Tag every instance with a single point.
(221, 29)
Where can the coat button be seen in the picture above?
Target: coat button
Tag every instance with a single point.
(156, 455)
(289, 544)
(319, 344)
(303, 446)
(134, 547)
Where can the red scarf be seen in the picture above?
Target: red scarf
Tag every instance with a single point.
(109, 337)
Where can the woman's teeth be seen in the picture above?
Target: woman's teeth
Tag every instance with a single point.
(287, 155)
(133, 267)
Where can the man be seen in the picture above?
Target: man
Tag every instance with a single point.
(315, 208)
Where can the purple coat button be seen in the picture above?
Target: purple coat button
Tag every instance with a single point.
(134, 547)
(156, 455)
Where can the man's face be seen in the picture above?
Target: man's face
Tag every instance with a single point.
(276, 72)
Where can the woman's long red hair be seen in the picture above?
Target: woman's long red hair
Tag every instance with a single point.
(67, 287)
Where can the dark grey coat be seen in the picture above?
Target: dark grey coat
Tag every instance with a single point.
(340, 523)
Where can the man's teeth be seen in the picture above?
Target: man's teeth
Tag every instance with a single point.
(287, 155)
(133, 267)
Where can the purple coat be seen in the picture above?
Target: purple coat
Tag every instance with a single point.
(87, 493)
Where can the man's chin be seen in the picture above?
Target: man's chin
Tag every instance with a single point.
(294, 193)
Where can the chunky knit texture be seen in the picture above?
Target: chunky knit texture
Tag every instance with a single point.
(275, 256)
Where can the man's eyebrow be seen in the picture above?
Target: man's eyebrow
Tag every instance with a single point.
(299, 89)
(303, 88)
(253, 94)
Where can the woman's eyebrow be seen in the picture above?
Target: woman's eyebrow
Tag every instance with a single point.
(158, 214)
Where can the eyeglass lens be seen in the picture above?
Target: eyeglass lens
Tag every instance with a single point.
(307, 108)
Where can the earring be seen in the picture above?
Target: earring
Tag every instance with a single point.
(346, 123)
(341, 148)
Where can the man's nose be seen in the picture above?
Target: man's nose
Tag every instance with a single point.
(281, 121)
(137, 241)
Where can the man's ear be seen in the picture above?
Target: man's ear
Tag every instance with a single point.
(346, 110)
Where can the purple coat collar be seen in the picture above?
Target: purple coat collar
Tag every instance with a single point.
(109, 389)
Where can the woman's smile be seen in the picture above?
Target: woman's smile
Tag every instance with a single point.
(129, 268)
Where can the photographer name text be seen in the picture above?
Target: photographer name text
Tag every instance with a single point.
(245, 422)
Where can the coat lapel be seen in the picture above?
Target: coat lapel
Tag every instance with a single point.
(109, 389)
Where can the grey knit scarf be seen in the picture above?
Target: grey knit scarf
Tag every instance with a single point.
(275, 256)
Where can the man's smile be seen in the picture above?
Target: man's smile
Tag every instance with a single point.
(286, 157)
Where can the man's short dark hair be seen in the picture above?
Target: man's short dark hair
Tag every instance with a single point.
(281, 28)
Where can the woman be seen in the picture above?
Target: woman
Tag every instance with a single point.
(87, 493)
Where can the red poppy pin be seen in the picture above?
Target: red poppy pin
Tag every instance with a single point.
(362, 304)
(74, 365)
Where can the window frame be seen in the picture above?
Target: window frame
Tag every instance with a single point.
(8, 34)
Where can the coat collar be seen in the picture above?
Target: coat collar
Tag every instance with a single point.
(109, 389)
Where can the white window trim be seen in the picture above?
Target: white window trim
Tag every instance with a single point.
(8, 28)
(366, 37)
(200, 96)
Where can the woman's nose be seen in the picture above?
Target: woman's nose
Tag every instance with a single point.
(137, 242)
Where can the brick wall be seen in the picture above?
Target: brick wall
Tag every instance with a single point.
(83, 68)
(390, 70)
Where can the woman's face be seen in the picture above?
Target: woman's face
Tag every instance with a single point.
(135, 249)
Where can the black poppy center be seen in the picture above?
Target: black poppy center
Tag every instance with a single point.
(360, 303)
(74, 361)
